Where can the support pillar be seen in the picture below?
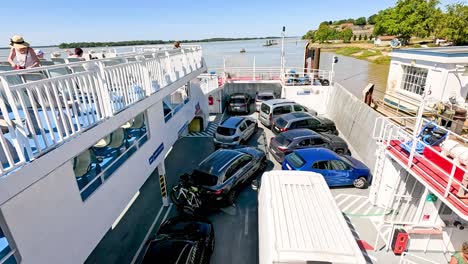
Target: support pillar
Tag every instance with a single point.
(162, 183)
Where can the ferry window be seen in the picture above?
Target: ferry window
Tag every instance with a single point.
(6, 252)
(95, 165)
(175, 101)
(414, 79)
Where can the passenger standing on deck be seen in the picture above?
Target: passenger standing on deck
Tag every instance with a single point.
(177, 45)
(40, 54)
(78, 53)
(462, 256)
(25, 56)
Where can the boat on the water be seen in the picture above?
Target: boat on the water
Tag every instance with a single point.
(242, 50)
(270, 42)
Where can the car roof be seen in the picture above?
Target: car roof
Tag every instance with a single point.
(296, 115)
(302, 132)
(316, 154)
(218, 161)
(232, 122)
(279, 101)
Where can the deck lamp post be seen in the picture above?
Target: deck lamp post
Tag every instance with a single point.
(282, 49)
(332, 74)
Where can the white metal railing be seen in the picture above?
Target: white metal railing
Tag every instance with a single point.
(407, 258)
(42, 107)
(395, 130)
(208, 83)
(291, 76)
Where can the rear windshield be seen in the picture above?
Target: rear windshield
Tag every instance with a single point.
(237, 101)
(282, 140)
(226, 131)
(265, 97)
(202, 178)
(295, 160)
(280, 122)
(265, 109)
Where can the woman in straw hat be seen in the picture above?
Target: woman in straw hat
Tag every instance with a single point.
(25, 56)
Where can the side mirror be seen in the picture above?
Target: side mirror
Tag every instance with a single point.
(255, 185)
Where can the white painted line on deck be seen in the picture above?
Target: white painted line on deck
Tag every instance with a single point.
(359, 207)
(147, 235)
(344, 200)
(350, 204)
(246, 223)
(368, 210)
(373, 258)
(167, 213)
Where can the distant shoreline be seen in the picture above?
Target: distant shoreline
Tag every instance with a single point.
(141, 42)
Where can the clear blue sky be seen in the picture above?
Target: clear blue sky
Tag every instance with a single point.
(54, 21)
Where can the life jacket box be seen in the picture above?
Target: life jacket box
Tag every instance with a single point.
(400, 241)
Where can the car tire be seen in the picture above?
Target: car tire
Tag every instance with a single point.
(340, 151)
(360, 183)
(231, 197)
(325, 82)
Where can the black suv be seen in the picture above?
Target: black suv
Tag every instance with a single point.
(180, 240)
(239, 103)
(303, 120)
(288, 141)
(221, 174)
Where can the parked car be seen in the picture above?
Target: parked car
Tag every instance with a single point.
(234, 131)
(261, 97)
(337, 170)
(270, 109)
(239, 103)
(288, 141)
(303, 120)
(181, 240)
(221, 174)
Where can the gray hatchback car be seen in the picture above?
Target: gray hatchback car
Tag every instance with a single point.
(239, 103)
(234, 131)
(288, 141)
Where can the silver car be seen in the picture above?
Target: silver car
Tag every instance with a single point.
(263, 96)
(234, 131)
(270, 109)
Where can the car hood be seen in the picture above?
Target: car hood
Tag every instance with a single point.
(356, 163)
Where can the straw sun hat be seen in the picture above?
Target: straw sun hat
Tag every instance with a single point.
(18, 42)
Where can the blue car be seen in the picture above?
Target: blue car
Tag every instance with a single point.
(337, 170)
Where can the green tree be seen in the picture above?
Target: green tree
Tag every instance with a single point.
(325, 33)
(454, 24)
(360, 21)
(346, 35)
(371, 37)
(350, 20)
(354, 37)
(360, 37)
(365, 37)
(309, 35)
(371, 19)
(408, 18)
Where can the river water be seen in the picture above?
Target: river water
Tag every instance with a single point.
(352, 73)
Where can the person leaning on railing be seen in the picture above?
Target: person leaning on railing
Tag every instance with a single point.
(462, 256)
(25, 56)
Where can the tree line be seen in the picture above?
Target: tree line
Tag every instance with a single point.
(145, 42)
(408, 18)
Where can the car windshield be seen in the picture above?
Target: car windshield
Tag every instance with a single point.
(282, 140)
(280, 122)
(295, 160)
(265, 97)
(265, 109)
(237, 101)
(226, 131)
(202, 178)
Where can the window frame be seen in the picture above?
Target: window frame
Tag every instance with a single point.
(319, 161)
(413, 79)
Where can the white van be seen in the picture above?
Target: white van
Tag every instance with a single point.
(299, 221)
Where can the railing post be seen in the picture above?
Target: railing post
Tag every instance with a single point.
(105, 90)
(452, 174)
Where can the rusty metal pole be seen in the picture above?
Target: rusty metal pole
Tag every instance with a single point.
(316, 62)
